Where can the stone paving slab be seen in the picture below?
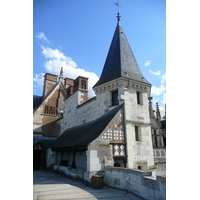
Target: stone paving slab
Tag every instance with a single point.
(51, 185)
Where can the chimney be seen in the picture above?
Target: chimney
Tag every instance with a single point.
(69, 91)
(49, 81)
(81, 85)
(68, 82)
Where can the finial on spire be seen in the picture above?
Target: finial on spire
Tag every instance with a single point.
(157, 111)
(150, 98)
(118, 15)
(61, 74)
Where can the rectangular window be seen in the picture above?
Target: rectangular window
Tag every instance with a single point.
(139, 98)
(115, 98)
(164, 140)
(155, 138)
(136, 134)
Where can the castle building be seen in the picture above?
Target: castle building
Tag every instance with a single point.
(158, 133)
(117, 127)
(114, 127)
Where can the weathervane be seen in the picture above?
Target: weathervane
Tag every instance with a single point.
(117, 4)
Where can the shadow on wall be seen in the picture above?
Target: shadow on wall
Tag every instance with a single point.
(52, 129)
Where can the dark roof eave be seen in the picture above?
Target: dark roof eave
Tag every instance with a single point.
(84, 134)
(72, 148)
(145, 83)
(86, 102)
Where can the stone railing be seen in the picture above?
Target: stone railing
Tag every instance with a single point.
(159, 153)
(138, 182)
(75, 174)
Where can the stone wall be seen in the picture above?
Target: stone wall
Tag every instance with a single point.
(99, 155)
(46, 123)
(138, 182)
(140, 153)
(73, 116)
(75, 174)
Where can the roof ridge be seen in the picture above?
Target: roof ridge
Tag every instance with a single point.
(51, 90)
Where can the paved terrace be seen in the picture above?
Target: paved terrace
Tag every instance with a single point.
(51, 185)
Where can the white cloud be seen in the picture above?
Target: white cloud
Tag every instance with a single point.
(55, 59)
(163, 81)
(161, 89)
(38, 79)
(164, 98)
(41, 36)
(154, 100)
(147, 63)
(155, 73)
(159, 93)
(158, 90)
(53, 53)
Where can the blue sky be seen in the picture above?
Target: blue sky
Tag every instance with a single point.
(77, 35)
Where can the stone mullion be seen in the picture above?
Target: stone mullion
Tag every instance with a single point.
(112, 134)
(118, 128)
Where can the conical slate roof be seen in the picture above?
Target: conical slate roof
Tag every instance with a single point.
(120, 61)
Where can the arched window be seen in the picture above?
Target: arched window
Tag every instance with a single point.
(46, 109)
(83, 84)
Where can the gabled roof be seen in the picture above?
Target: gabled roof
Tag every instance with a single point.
(45, 97)
(37, 100)
(45, 142)
(80, 136)
(163, 124)
(120, 61)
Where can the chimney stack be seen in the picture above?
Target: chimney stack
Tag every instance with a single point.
(49, 81)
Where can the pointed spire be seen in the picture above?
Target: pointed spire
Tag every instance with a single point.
(157, 111)
(120, 61)
(151, 108)
(61, 75)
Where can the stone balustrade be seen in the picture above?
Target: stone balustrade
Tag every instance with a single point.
(159, 153)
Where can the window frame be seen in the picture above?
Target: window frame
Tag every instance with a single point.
(114, 98)
(138, 137)
(139, 97)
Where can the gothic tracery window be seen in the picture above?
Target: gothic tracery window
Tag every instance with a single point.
(83, 84)
(50, 110)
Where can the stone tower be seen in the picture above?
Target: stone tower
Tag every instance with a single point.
(121, 81)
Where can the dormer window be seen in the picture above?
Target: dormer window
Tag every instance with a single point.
(115, 100)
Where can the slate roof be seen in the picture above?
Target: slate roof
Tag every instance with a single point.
(163, 124)
(45, 142)
(37, 100)
(120, 61)
(78, 137)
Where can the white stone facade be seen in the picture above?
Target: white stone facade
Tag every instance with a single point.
(140, 153)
